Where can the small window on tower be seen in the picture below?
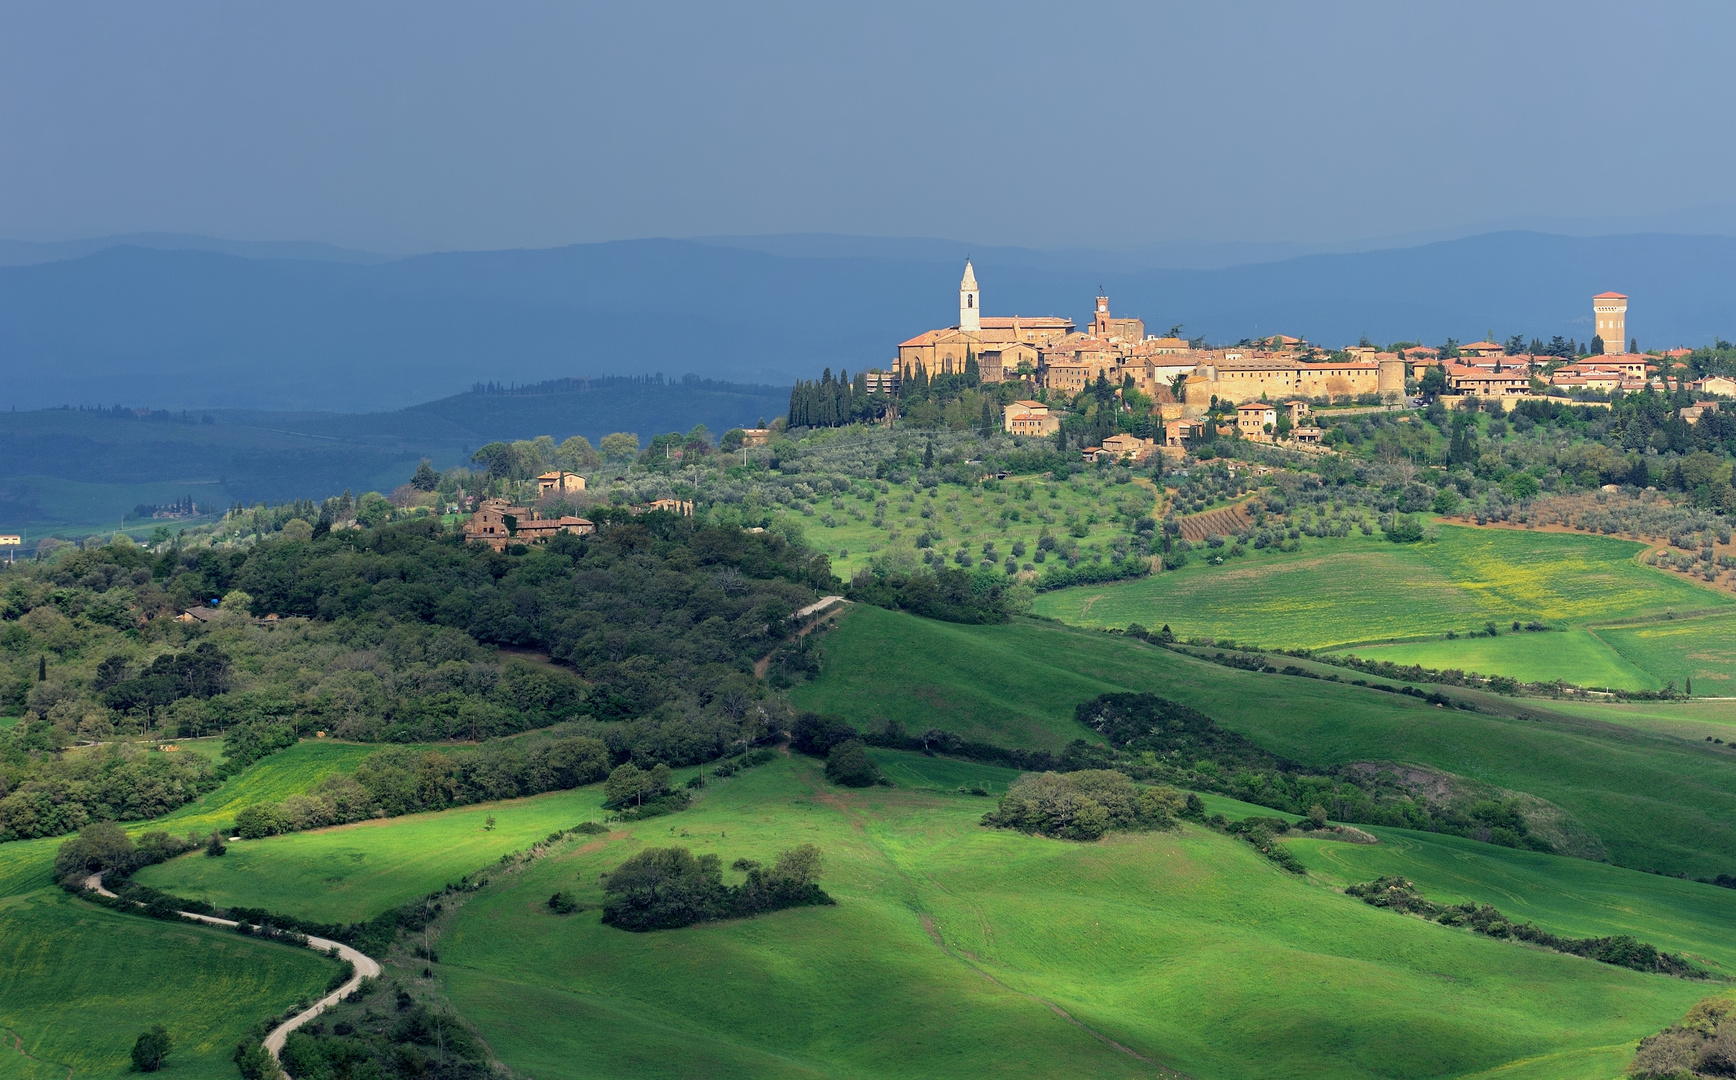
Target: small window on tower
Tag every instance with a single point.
(970, 301)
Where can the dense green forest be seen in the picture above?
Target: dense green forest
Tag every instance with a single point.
(644, 635)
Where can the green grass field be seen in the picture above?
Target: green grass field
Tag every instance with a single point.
(966, 517)
(350, 872)
(288, 772)
(1678, 650)
(78, 983)
(1363, 589)
(1656, 799)
(1572, 897)
(1581, 657)
(952, 947)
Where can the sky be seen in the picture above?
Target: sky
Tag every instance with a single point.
(402, 127)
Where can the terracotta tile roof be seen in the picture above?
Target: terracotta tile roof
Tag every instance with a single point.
(1610, 296)
(927, 338)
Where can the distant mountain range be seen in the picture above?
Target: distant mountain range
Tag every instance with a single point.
(170, 323)
(71, 470)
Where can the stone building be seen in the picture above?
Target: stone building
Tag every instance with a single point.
(945, 351)
(1029, 418)
(498, 523)
(556, 483)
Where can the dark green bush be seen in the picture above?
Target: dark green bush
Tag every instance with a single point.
(849, 764)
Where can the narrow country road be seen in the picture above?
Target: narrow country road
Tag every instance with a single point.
(366, 968)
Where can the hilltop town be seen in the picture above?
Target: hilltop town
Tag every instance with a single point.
(1263, 389)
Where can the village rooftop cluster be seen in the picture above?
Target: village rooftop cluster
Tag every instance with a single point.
(1262, 390)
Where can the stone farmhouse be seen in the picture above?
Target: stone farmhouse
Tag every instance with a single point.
(498, 523)
(1029, 418)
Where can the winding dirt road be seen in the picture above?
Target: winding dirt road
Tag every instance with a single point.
(366, 968)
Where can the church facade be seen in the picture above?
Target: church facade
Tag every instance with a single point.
(1011, 341)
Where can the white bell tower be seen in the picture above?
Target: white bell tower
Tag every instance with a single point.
(969, 302)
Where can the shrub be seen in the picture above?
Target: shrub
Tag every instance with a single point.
(849, 764)
(1405, 529)
(151, 1048)
(1084, 805)
(816, 735)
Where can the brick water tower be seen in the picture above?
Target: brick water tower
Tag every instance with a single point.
(1610, 314)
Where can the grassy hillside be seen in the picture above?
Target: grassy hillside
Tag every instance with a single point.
(1703, 650)
(1363, 589)
(349, 872)
(1569, 896)
(1655, 799)
(78, 983)
(1581, 657)
(289, 772)
(952, 947)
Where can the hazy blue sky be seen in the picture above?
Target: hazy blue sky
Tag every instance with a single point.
(417, 126)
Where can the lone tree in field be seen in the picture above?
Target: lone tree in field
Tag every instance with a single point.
(151, 1049)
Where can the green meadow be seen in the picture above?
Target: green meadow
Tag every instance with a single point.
(1573, 897)
(79, 982)
(1341, 591)
(1654, 798)
(350, 872)
(1581, 657)
(956, 950)
(289, 772)
(1677, 650)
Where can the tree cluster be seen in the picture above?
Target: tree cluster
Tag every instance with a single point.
(1084, 805)
(667, 888)
(102, 847)
(1700, 1044)
(51, 794)
(1622, 950)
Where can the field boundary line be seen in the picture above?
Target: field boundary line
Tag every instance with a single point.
(1674, 616)
(18, 1045)
(366, 967)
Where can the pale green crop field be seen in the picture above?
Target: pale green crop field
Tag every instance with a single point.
(1397, 602)
(1573, 897)
(1580, 657)
(1678, 650)
(288, 772)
